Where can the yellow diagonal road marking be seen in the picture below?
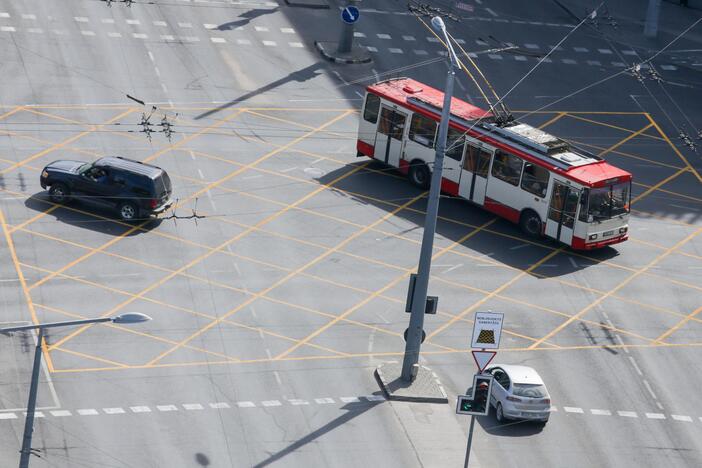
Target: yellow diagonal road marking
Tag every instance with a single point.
(292, 274)
(23, 285)
(380, 291)
(659, 185)
(552, 120)
(221, 246)
(617, 288)
(604, 124)
(678, 325)
(675, 148)
(65, 142)
(495, 292)
(621, 142)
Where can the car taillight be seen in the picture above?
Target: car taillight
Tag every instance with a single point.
(511, 398)
(546, 401)
(154, 203)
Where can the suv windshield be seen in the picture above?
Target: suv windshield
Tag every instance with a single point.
(607, 202)
(529, 390)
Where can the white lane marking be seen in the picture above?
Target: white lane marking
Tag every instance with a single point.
(114, 34)
(243, 42)
(140, 409)
(384, 36)
(276, 374)
(435, 40)
(28, 16)
(296, 402)
(619, 64)
(167, 37)
(495, 56)
(287, 30)
(460, 41)
(7, 29)
(489, 10)
(167, 408)
(594, 62)
(394, 50)
(199, 172)
(35, 30)
(636, 366)
(528, 46)
(409, 38)
(570, 409)
(295, 44)
(113, 410)
(160, 23)
(290, 169)
(349, 399)
(151, 56)
(37, 414)
(4, 15)
(133, 21)
(219, 40)
(140, 36)
(627, 414)
(245, 404)
(87, 33)
(573, 262)
(655, 415)
(453, 268)
(324, 401)
(189, 38)
(107, 21)
(271, 403)
(679, 417)
(60, 413)
(261, 28)
(604, 51)
(520, 58)
(669, 67)
(8, 416)
(209, 26)
(358, 34)
(421, 52)
(163, 87)
(270, 43)
(219, 405)
(193, 406)
(374, 397)
(650, 390)
(81, 19)
(88, 412)
(520, 246)
(621, 342)
(158, 72)
(601, 412)
(185, 25)
(581, 49)
(569, 61)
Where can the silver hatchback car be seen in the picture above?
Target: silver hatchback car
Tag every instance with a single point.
(518, 393)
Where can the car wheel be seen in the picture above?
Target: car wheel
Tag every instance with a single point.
(530, 223)
(419, 175)
(499, 415)
(128, 211)
(59, 193)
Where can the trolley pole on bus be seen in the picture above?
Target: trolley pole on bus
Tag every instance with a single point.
(421, 284)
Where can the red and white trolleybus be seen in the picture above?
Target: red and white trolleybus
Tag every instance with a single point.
(513, 170)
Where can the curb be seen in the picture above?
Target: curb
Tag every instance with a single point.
(347, 60)
(415, 399)
(319, 5)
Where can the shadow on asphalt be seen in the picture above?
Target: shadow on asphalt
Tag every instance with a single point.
(509, 428)
(247, 16)
(387, 193)
(353, 410)
(90, 216)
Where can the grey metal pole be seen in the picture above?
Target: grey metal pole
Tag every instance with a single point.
(652, 14)
(419, 299)
(346, 39)
(31, 404)
(470, 441)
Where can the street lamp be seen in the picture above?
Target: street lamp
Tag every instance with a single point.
(419, 297)
(128, 318)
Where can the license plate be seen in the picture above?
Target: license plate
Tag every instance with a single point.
(608, 233)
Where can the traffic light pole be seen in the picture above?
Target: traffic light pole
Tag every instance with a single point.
(470, 441)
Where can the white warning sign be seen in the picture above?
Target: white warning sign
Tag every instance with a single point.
(487, 329)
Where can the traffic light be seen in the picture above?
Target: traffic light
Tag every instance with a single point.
(478, 403)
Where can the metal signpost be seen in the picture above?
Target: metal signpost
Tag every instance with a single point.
(487, 329)
(349, 15)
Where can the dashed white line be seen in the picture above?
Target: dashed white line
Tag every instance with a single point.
(489, 10)
(8, 416)
(349, 399)
(601, 412)
(88, 412)
(167, 408)
(114, 34)
(185, 25)
(358, 34)
(261, 28)
(4, 15)
(133, 21)
(28, 16)
(81, 19)
(269, 43)
(269, 403)
(636, 366)
(627, 414)
(193, 406)
(655, 415)
(299, 402)
(383, 36)
(7, 29)
(395, 50)
(218, 40)
(160, 23)
(113, 410)
(219, 405)
(140, 36)
(287, 30)
(324, 401)
(604, 51)
(580, 49)
(140, 409)
(88, 33)
(571, 409)
(107, 21)
(421, 52)
(679, 417)
(243, 42)
(209, 26)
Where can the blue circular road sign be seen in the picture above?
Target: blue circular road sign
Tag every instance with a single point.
(350, 14)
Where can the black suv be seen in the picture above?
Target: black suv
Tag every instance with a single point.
(134, 188)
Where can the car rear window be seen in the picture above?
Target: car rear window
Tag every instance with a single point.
(163, 184)
(529, 391)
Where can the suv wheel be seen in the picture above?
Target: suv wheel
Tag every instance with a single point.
(128, 211)
(59, 193)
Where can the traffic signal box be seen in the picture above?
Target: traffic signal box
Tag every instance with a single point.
(477, 404)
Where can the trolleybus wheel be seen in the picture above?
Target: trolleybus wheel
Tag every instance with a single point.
(530, 223)
(419, 175)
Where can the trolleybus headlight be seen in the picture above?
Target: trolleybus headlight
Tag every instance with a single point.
(623, 230)
(592, 237)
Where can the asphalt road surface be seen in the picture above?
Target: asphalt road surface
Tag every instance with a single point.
(277, 284)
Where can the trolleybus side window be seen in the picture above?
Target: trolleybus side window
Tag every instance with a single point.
(477, 160)
(507, 167)
(454, 144)
(422, 130)
(370, 113)
(535, 179)
(583, 206)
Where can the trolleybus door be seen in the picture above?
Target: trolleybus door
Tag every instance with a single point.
(453, 158)
(561, 212)
(388, 139)
(476, 165)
